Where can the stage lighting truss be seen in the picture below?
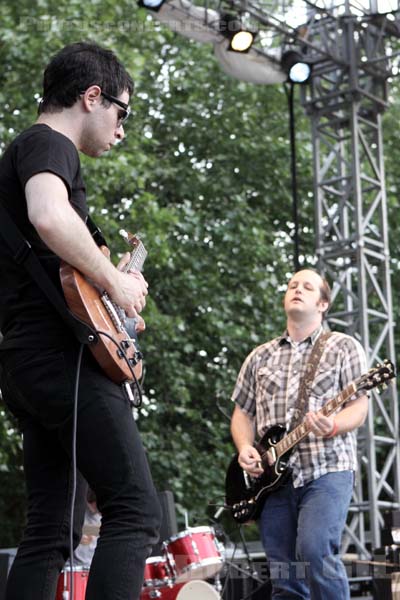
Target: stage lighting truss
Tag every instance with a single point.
(273, 26)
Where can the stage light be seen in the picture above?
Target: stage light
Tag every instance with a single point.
(241, 41)
(297, 68)
(240, 38)
(154, 5)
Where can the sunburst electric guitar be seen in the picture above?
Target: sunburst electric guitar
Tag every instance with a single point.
(116, 350)
(245, 495)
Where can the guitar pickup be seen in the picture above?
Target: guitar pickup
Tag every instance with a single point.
(272, 455)
(247, 480)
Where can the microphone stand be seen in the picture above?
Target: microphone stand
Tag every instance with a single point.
(250, 571)
(250, 565)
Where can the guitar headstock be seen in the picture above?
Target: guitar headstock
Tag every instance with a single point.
(377, 376)
(132, 240)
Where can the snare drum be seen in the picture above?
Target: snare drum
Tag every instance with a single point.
(157, 572)
(80, 576)
(198, 590)
(194, 554)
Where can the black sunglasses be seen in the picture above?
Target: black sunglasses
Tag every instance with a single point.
(125, 111)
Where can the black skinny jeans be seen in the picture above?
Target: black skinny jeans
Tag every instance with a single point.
(38, 388)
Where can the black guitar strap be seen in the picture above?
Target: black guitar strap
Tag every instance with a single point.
(23, 254)
(96, 232)
(301, 405)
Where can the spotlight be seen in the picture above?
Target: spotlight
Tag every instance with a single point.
(241, 38)
(153, 5)
(297, 69)
(241, 41)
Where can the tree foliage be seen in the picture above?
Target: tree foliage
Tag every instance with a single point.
(204, 176)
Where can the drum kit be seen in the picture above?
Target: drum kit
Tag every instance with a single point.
(188, 558)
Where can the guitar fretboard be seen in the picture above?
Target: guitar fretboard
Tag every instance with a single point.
(302, 430)
(138, 256)
(136, 261)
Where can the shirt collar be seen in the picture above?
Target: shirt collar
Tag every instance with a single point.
(311, 339)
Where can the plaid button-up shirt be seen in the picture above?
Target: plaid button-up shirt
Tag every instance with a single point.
(267, 390)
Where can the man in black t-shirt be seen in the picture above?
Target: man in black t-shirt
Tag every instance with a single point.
(86, 92)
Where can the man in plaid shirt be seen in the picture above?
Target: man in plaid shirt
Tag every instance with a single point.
(302, 522)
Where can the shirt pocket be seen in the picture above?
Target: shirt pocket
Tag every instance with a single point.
(269, 382)
(325, 381)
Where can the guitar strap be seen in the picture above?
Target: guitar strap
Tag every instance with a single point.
(308, 377)
(23, 254)
(96, 232)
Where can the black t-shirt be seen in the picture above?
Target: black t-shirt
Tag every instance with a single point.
(27, 319)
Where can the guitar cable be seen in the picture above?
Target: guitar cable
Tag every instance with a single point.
(70, 596)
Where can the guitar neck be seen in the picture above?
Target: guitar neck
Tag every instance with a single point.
(138, 256)
(302, 430)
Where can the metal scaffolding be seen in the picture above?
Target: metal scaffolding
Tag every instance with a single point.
(345, 102)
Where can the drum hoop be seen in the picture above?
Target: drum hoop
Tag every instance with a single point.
(203, 563)
(76, 569)
(158, 583)
(155, 559)
(188, 532)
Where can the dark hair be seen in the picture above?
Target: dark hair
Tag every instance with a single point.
(75, 68)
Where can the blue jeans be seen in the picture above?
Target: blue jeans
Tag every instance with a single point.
(301, 530)
(38, 387)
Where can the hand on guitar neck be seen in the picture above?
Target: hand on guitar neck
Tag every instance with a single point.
(320, 425)
(130, 289)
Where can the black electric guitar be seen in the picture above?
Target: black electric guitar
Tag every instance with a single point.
(245, 495)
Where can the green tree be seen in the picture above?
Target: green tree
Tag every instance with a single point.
(203, 175)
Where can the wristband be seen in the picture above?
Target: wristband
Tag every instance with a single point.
(333, 432)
